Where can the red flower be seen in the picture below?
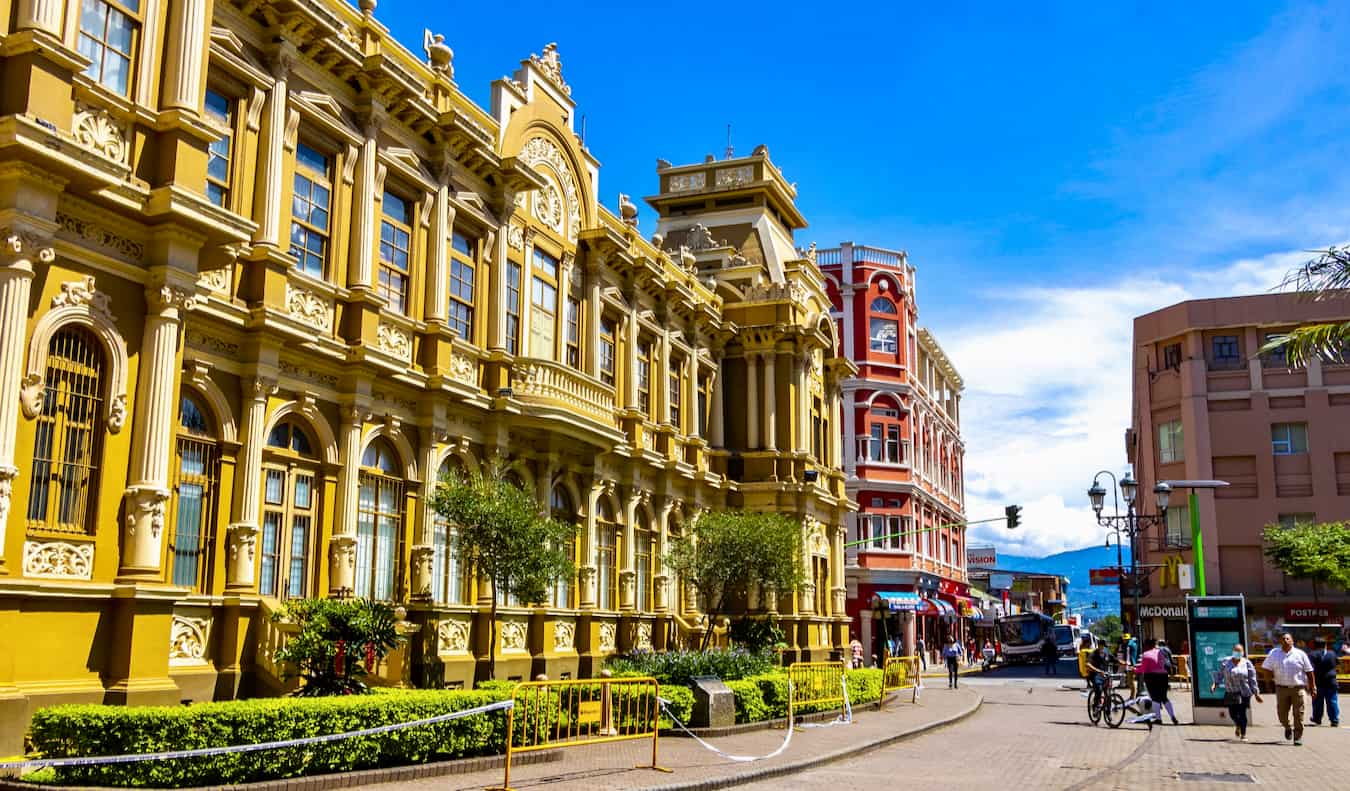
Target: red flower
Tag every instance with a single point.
(339, 661)
(370, 657)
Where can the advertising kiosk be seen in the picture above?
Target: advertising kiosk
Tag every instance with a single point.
(1215, 624)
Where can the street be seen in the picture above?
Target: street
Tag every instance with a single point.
(1033, 733)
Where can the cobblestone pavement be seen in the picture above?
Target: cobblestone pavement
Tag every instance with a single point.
(611, 766)
(1032, 734)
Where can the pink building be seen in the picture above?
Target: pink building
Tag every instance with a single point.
(1208, 405)
(903, 453)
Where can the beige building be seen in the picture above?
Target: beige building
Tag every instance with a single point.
(1208, 405)
(267, 275)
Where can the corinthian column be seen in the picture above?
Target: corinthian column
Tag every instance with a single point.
(152, 447)
(342, 570)
(16, 278)
(271, 155)
(243, 537)
(186, 50)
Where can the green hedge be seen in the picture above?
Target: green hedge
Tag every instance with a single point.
(765, 697)
(680, 667)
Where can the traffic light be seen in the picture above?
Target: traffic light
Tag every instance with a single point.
(1014, 515)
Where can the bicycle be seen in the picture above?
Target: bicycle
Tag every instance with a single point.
(1099, 699)
(1116, 707)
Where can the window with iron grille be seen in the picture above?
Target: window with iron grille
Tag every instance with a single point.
(643, 542)
(378, 522)
(607, 555)
(310, 205)
(290, 512)
(1178, 532)
(108, 38)
(194, 489)
(68, 444)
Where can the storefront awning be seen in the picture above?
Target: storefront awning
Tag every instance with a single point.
(937, 608)
(901, 600)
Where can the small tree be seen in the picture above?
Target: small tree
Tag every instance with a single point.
(1107, 628)
(505, 537)
(1316, 552)
(338, 644)
(728, 551)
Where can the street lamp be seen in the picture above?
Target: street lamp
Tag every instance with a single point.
(1131, 523)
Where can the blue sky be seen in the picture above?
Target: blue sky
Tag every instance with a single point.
(1053, 169)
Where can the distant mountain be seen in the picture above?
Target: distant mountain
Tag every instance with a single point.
(1074, 565)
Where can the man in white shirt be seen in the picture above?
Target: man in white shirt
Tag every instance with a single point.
(1293, 674)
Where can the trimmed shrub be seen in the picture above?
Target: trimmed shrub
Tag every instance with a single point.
(680, 667)
(85, 730)
(681, 703)
(765, 696)
(750, 705)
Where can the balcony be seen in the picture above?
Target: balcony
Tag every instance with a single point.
(876, 255)
(554, 387)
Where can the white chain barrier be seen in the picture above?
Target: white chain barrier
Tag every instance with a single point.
(843, 719)
(242, 748)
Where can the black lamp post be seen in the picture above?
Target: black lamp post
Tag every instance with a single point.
(1131, 523)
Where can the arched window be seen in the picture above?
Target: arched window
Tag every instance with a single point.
(194, 489)
(644, 544)
(379, 521)
(560, 507)
(68, 443)
(290, 512)
(607, 557)
(449, 580)
(884, 329)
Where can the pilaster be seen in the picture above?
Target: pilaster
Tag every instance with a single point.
(184, 60)
(752, 416)
(770, 401)
(243, 536)
(342, 571)
(267, 208)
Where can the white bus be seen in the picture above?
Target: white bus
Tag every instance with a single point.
(1022, 635)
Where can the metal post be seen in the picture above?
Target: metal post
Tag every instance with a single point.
(1197, 543)
(1134, 573)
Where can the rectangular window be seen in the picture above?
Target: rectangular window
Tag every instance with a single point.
(607, 353)
(893, 444)
(642, 560)
(108, 33)
(644, 378)
(608, 571)
(676, 390)
(379, 514)
(512, 308)
(274, 515)
(817, 431)
(544, 304)
(1171, 356)
(878, 530)
(1288, 438)
(1294, 520)
(1170, 445)
(447, 568)
(310, 207)
(1225, 352)
(877, 443)
(220, 109)
(1178, 533)
(463, 257)
(884, 334)
(395, 243)
(1275, 358)
(572, 319)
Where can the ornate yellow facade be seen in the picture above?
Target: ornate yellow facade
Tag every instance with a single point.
(267, 275)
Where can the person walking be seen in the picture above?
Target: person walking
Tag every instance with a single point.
(1050, 656)
(1324, 674)
(952, 654)
(856, 649)
(1237, 676)
(988, 655)
(923, 655)
(1152, 668)
(1293, 673)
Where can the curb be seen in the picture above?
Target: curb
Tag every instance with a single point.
(771, 772)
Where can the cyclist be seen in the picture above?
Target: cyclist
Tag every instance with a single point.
(1098, 665)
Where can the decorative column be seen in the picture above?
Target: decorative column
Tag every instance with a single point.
(691, 414)
(590, 542)
(770, 401)
(424, 548)
(267, 208)
(42, 15)
(848, 418)
(19, 251)
(752, 416)
(595, 307)
(438, 265)
(660, 378)
(342, 559)
(185, 53)
(497, 282)
(716, 425)
(661, 583)
(361, 248)
(631, 354)
(801, 370)
(628, 566)
(243, 536)
(152, 447)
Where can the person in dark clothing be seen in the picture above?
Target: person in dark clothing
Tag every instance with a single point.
(1324, 674)
(1050, 655)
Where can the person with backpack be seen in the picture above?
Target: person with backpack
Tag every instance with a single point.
(1168, 661)
(1324, 674)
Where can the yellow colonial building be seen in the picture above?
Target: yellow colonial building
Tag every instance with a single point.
(267, 275)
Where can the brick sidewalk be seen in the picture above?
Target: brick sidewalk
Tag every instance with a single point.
(610, 766)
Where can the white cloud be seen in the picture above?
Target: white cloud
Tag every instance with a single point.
(1047, 399)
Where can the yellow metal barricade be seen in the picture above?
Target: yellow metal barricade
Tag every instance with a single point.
(1183, 674)
(815, 684)
(900, 672)
(549, 715)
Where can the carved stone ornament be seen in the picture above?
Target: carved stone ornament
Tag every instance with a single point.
(608, 636)
(309, 308)
(644, 636)
(117, 414)
(93, 233)
(31, 390)
(564, 636)
(187, 639)
(439, 55)
(548, 207)
(84, 292)
(168, 297)
(551, 65)
(58, 560)
(541, 150)
(146, 504)
(734, 177)
(93, 128)
(453, 636)
(700, 238)
(344, 552)
(515, 237)
(393, 340)
(513, 637)
(21, 244)
(215, 279)
(463, 369)
(687, 181)
(7, 476)
(243, 539)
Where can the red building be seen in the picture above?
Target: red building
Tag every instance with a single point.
(904, 456)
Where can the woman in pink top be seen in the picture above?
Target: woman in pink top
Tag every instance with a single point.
(1153, 669)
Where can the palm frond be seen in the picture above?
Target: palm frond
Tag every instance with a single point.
(1326, 276)
(1329, 342)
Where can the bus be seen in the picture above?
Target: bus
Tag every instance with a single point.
(1022, 635)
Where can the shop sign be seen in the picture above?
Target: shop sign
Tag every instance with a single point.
(1106, 576)
(984, 557)
(1162, 611)
(1000, 582)
(1309, 613)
